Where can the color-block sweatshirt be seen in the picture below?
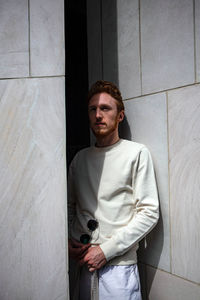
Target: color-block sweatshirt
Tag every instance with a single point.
(116, 186)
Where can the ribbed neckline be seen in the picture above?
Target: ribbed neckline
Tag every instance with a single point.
(107, 148)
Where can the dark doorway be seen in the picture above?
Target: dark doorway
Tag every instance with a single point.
(78, 135)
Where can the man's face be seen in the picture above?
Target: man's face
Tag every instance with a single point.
(103, 115)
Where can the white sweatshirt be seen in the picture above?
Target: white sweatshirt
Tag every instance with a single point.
(116, 186)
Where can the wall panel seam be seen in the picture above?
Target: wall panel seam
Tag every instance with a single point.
(161, 91)
(32, 77)
(194, 30)
(101, 25)
(169, 203)
(140, 46)
(29, 38)
(172, 274)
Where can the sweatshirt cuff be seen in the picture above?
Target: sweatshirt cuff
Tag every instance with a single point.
(109, 249)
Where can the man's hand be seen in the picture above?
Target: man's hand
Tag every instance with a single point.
(95, 258)
(77, 250)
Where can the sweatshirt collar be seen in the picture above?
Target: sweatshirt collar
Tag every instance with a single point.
(107, 148)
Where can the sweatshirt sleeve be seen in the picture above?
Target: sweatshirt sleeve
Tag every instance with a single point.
(71, 198)
(146, 211)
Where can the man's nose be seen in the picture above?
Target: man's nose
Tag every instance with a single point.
(98, 114)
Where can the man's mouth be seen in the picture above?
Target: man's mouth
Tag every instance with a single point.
(99, 124)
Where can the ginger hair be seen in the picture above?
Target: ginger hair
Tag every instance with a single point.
(102, 86)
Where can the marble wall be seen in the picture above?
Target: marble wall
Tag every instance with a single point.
(151, 50)
(33, 260)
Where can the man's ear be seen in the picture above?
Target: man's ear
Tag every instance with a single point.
(121, 116)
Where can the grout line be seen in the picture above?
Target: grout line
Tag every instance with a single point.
(65, 157)
(162, 91)
(29, 38)
(101, 24)
(32, 77)
(177, 276)
(66, 232)
(140, 46)
(194, 28)
(169, 194)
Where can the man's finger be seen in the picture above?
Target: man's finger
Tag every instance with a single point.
(81, 262)
(92, 269)
(82, 254)
(85, 260)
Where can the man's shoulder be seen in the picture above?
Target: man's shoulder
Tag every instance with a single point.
(134, 149)
(127, 147)
(81, 154)
(133, 146)
(84, 151)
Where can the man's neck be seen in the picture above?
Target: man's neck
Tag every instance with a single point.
(105, 141)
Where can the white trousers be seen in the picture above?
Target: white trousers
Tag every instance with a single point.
(115, 282)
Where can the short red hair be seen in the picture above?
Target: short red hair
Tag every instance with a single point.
(102, 86)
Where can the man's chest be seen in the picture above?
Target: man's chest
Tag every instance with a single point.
(106, 173)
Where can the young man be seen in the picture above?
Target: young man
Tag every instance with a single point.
(113, 202)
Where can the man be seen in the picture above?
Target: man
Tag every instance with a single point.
(113, 202)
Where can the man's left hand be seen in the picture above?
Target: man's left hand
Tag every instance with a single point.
(95, 258)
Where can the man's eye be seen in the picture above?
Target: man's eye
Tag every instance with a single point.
(92, 109)
(105, 108)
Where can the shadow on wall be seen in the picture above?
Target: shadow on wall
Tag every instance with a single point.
(124, 130)
(110, 66)
(78, 136)
(147, 246)
(103, 25)
(102, 41)
(147, 252)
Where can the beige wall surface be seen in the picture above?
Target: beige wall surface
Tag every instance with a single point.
(33, 263)
(150, 49)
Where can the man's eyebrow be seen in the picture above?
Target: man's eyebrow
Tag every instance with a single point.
(105, 104)
(91, 106)
(101, 105)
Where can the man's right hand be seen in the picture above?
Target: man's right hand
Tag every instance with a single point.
(77, 250)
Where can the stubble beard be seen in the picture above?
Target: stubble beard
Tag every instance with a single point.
(104, 132)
